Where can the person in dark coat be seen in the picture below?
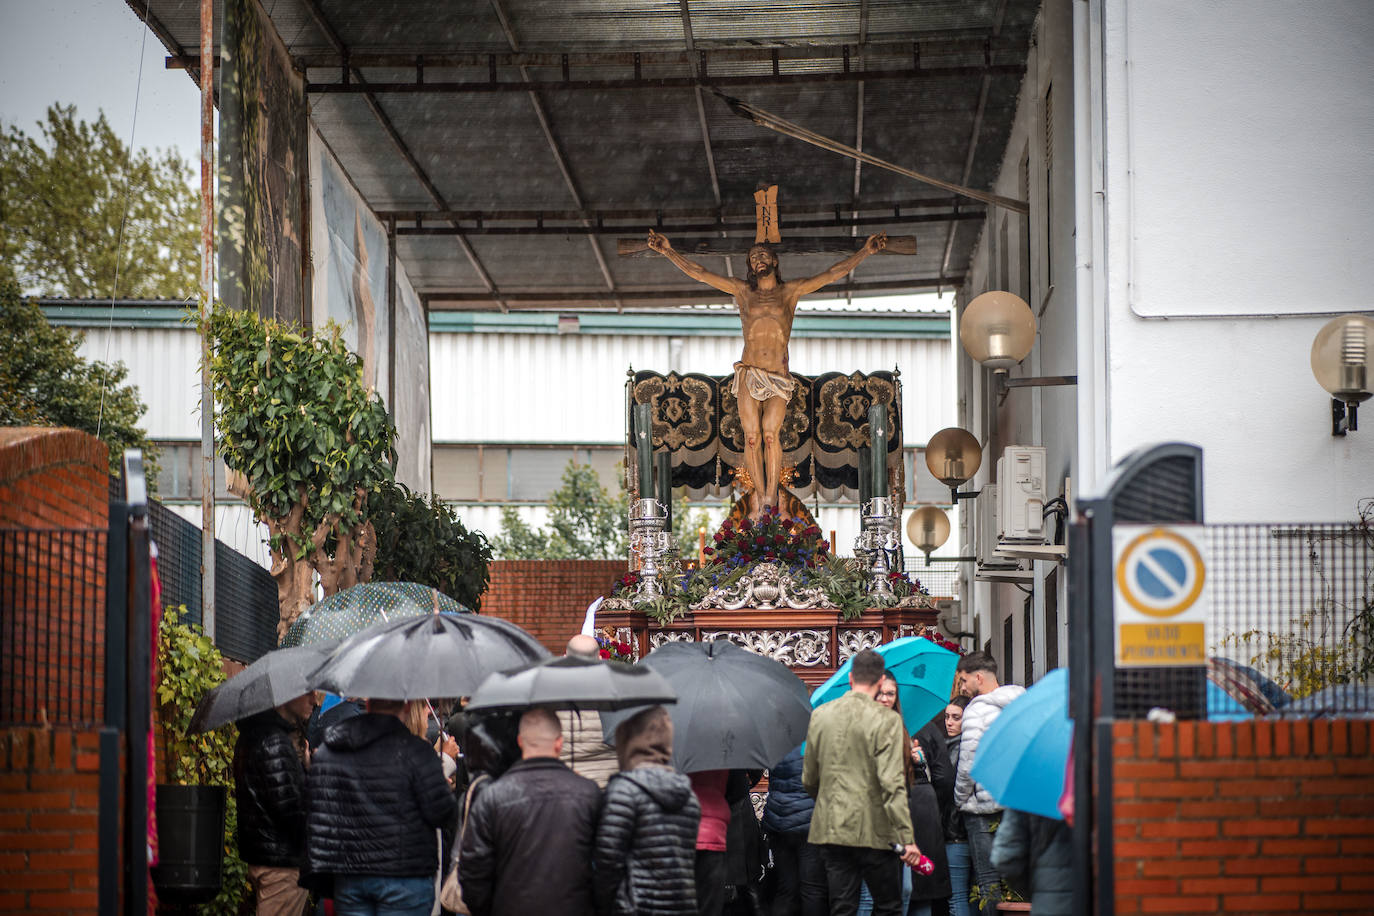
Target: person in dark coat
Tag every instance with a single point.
(743, 847)
(322, 718)
(1034, 855)
(932, 785)
(528, 844)
(375, 801)
(956, 834)
(800, 887)
(645, 854)
(269, 787)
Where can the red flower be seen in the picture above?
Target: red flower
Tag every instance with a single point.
(760, 540)
(745, 524)
(709, 551)
(719, 537)
(624, 648)
(811, 531)
(728, 526)
(777, 539)
(605, 653)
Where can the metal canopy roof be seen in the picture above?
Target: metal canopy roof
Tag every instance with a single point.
(513, 142)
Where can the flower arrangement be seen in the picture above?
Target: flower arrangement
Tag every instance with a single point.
(612, 648)
(774, 538)
(933, 634)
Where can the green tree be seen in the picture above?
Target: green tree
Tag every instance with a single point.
(44, 382)
(307, 443)
(420, 539)
(585, 523)
(64, 199)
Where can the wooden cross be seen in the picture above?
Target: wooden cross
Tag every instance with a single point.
(766, 229)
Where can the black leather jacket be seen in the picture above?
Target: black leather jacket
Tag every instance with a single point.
(527, 847)
(646, 844)
(374, 796)
(269, 786)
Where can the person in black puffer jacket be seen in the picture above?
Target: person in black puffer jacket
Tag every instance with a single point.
(787, 819)
(269, 787)
(646, 841)
(375, 796)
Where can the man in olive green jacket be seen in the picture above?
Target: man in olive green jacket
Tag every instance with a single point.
(853, 766)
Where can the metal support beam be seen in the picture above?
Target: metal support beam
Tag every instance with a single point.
(558, 156)
(705, 228)
(652, 215)
(983, 86)
(419, 85)
(207, 304)
(359, 82)
(690, 41)
(696, 294)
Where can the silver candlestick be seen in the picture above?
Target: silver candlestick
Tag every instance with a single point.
(650, 541)
(877, 537)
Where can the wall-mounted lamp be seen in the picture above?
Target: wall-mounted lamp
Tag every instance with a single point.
(953, 456)
(928, 528)
(1343, 362)
(998, 330)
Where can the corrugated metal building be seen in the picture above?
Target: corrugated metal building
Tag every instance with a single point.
(517, 396)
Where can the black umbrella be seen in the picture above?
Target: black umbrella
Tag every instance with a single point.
(437, 655)
(734, 709)
(572, 683)
(272, 680)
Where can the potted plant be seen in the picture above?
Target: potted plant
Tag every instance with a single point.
(198, 860)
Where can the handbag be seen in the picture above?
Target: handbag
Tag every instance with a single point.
(451, 892)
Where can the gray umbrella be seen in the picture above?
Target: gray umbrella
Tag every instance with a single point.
(1339, 701)
(272, 680)
(436, 655)
(734, 709)
(572, 683)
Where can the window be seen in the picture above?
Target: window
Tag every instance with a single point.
(178, 475)
(517, 473)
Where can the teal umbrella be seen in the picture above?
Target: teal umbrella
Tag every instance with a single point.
(1022, 755)
(924, 673)
(355, 609)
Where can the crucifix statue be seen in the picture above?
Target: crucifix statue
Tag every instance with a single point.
(762, 384)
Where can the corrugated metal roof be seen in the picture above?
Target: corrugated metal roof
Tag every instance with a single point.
(634, 145)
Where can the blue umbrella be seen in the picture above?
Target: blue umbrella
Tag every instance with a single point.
(1022, 755)
(924, 673)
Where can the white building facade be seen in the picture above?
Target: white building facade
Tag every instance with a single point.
(1200, 178)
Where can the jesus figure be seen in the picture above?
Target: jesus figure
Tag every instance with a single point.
(762, 383)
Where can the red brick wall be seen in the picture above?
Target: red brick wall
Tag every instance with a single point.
(1246, 817)
(53, 478)
(49, 818)
(54, 501)
(549, 598)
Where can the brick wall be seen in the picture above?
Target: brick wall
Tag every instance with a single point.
(548, 598)
(49, 817)
(53, 478)
(54, 510)
(1247, 817)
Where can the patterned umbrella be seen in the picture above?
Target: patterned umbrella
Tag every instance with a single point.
(357, 608)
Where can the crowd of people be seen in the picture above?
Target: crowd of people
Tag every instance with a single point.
(375, 808)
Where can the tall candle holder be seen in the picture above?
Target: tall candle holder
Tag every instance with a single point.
(651, 542)
(878, 537)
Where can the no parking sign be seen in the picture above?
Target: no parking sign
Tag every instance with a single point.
(1160, 587)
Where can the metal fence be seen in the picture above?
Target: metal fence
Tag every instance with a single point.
(52, 612)
(1294, 604)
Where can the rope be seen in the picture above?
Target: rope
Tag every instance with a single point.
(797, 132)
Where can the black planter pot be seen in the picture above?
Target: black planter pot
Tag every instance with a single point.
(190, 842)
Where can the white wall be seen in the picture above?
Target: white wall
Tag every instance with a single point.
(1239, 153)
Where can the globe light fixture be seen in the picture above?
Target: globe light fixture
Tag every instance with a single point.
(953, 455)
(997, 329)
(1343, 362)
(927, 528)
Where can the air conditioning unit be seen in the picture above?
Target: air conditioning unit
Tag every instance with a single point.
(992, 565)
(1021, 492)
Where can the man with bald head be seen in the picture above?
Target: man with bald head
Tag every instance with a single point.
(527, 848)
(584, 747)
